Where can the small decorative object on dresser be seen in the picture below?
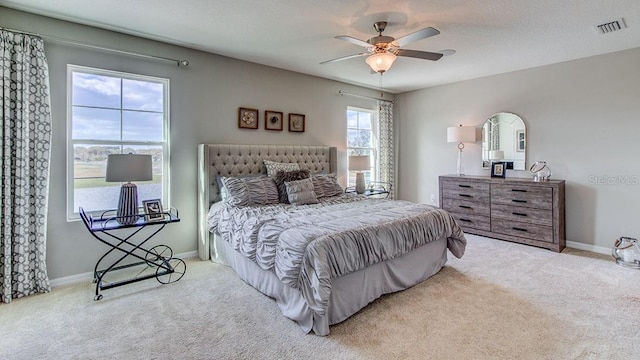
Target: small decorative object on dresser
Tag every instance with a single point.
(540, 171)
(518, 210)
(497, 170)
(247, 118)
(273, 120)
(296, 123)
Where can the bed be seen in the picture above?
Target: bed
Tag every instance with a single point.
(321, 262)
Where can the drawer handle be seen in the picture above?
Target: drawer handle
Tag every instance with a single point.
(464, 186)
(519, 201)
(467, 220)
(519, 229)
(464, 206)
(519, 190)
(519, 214)
(465, 195)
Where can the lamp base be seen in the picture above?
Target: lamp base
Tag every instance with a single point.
(127, 212)
(360, 187)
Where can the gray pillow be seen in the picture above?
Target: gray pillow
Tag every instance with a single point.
(250, 191)
(273, 167)
(326, 185)
(301, 192)
(284, 176)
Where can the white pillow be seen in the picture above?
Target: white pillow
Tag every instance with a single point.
(273, 167)
(300, 192)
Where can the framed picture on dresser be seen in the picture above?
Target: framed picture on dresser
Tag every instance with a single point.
(498, 170)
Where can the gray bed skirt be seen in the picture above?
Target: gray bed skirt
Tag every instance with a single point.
(349, 293)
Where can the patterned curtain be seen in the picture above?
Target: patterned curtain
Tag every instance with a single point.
(387, 145)
(24, 160)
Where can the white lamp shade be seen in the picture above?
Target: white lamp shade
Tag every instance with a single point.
(461, 134)
(359, 162)
(128, 167)
(496, 155)
(381, 62)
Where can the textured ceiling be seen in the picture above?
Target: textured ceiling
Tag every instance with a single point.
(489, 36)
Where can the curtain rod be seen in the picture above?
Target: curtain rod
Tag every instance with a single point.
(364, 96)
(101, 48)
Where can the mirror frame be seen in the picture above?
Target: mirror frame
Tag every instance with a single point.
(486, 162)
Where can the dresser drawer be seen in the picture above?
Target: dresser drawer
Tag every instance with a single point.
(468, 221)
(466, 206)
(522, 229)
(522, 214)
(465, 190)
(455, 184)
(522, 195)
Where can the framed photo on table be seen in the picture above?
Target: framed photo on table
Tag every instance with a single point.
(273, 120)
(498, 170)
(153, 210)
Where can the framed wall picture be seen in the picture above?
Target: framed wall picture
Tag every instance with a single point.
(520, 141)
(153, 210)
(498, 170)
(247, 118)
(273, 120)
(296, 122)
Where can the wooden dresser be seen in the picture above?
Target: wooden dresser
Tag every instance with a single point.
(513, 209)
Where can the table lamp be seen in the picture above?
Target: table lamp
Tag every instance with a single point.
(461, 134)
(359, 163)
(496, 155)
(127, 168)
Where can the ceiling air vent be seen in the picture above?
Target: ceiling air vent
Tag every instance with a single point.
(612, 26)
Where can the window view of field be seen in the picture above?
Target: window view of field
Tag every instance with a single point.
(111, 114)
(92, 192)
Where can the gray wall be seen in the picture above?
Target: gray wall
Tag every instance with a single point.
(582, 117)
(204, 103)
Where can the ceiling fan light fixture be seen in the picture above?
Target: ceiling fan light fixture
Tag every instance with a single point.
(381, 62)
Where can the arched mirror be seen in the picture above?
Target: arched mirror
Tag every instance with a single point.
(504, 139)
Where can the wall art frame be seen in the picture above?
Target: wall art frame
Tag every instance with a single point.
(248, 118)
(273, 120)
(296, 122)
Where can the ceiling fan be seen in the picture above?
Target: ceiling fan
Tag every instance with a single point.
(383, 50)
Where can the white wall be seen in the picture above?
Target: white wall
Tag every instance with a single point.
(582, 117)
(204, 108)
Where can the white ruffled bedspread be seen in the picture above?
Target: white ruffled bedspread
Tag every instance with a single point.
(308, 245)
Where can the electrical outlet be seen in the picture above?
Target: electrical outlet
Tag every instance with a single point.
(433, 199)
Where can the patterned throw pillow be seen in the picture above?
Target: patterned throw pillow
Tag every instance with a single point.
(326, 185)
(300, 192)
(250, 191)
(273, 167)
(283, 176)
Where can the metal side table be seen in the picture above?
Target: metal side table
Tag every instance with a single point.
(158, 261)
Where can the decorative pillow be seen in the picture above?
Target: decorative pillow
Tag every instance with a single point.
(326, 185)
(301, 192)
(224, 194)
(273, 167)
(284, 176)
(250, 191)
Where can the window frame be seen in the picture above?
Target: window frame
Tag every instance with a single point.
(374, 150)
(72, 214)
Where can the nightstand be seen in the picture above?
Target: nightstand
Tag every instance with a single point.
(376, 188)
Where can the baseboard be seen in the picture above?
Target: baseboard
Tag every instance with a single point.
(88, 277)
(592, 248)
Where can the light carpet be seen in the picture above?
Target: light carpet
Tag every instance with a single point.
(500, 301)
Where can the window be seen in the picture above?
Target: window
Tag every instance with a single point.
(362, 139)
(110, 113)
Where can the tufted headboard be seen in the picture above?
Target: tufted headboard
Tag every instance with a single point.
(239, 160)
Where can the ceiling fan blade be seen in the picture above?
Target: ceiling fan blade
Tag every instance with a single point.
(420, 54)
(415, 36)
(343, 58)
(353, 40)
